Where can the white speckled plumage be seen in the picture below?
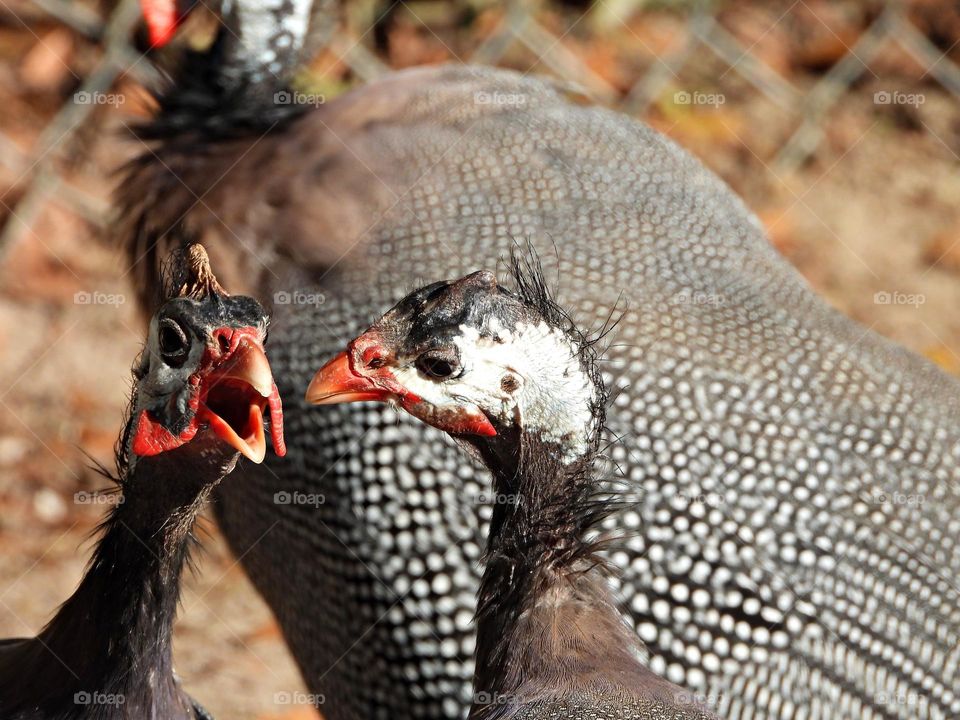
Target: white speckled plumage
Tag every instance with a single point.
(767, 439)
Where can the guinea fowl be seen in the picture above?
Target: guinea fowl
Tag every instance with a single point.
(512, 378)
(201, 388)
(761, 429)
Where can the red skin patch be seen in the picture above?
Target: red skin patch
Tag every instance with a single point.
(152, 438)
(362, 372)
(162, 20)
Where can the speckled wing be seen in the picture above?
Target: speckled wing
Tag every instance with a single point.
(792, 549)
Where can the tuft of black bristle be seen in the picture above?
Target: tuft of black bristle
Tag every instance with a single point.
(573, 498)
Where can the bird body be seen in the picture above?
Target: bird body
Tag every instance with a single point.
(510, 377)
(765, 435)
(107, 654)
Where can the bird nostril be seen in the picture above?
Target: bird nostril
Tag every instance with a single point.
(224, 340)
(373, 358)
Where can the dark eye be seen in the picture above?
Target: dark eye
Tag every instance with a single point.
(173, 343)
(438, 364)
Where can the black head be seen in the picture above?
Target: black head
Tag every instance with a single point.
(479, 362)
(203, 375)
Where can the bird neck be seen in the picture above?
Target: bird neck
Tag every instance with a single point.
(241, 84)
(263, 41)
(544, 591)
(543, 499)
(113, 636)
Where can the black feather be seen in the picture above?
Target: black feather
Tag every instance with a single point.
(196, 104)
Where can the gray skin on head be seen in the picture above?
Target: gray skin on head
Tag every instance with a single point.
(180, 345)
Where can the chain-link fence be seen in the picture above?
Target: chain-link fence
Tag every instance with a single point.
(517, 24)
(837, 121)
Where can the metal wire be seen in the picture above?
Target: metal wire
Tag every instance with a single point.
(520, 26)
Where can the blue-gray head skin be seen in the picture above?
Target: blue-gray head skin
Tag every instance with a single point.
(477, 361)
(203, 375)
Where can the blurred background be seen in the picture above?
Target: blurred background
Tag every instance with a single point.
(838, 122)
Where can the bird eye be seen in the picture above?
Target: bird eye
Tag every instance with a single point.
(173, 343)
(440, 364)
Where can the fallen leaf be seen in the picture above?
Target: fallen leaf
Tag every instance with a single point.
(46, 67)
(944, 357)
(943, 252)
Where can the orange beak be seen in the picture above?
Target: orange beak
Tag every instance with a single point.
(336, 382)
(235, 398)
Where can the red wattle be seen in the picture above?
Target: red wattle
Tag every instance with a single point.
(152, 438)
(276, 422)
(162, 20)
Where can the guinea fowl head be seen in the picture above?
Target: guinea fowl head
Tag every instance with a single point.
(486, 365)
(264, 36)
(203, 378)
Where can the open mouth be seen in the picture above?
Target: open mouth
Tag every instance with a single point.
(238, 396)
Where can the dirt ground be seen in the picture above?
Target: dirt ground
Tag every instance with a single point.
(872, 220)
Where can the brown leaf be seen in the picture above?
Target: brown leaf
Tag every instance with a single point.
(46, 67)
(944, 357)
(943, 252)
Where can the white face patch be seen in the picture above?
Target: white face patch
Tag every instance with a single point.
(530, 375)
(268, 25)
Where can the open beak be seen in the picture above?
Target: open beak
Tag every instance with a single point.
(236, 396)
(336, 382)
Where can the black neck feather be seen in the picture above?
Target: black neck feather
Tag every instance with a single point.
(199, 102)
(540, 541)
(112, 639)
(546, 622)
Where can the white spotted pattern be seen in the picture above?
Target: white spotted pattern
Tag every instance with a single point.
(775, 554)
